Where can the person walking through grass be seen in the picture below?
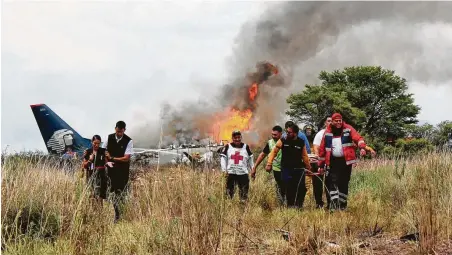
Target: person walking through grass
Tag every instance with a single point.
(236, 163)
(294, 161)
(337, 156)
(276, 166)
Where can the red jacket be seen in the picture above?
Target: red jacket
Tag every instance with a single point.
(349, 138)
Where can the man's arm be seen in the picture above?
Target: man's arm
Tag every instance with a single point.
(317, 141)
(127, 154)
(224, 159)
(322, 153)
(305, 156)
(274, 152)
(260, 158)
(85, 162)
(250, 157)
(306, 142)
(356, 137)
(262, 155)
(224, 163)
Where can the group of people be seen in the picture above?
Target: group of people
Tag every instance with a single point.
(328, 167)
(107, 167)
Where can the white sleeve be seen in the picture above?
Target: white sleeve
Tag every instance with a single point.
(223, 163)
(251, 161)
(129, 148)
(318, 138)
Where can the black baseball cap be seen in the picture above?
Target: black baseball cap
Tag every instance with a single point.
(236, 132)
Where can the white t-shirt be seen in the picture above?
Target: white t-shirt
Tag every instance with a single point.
(337, 147)
(318, 137)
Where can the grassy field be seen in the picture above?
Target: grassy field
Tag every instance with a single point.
(181, 211)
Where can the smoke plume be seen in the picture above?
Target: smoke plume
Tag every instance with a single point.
(303, 38)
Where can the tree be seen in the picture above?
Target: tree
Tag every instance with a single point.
(373, 99)
(426, 131)
(443, 133)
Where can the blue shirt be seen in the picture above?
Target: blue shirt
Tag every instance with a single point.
(303, 137)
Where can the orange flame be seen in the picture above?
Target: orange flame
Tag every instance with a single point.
(273, 68)
(253, 91)
(232, 120)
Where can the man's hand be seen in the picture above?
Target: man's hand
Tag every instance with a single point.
(362, 152)
(372, 152)
(253, 173)
(107, 155)
(268, 168)
(91, 157)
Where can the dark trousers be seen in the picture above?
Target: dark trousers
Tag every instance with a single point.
(337, 180)
(242, 181)
(119, 179)
(295, 186)
(280, 190)
(317, 185)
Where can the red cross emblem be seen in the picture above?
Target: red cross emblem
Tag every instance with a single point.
(237, 157)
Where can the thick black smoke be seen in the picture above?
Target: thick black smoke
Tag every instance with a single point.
(303, 38)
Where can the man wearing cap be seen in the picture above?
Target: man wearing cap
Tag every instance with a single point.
(294, 161)
(337, 155)
(236, 162)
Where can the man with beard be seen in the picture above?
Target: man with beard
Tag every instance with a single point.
(294, 161)
(337, 155)
(236, 163)
(276, 166)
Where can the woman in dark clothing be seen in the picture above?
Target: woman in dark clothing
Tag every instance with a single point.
(94, 160)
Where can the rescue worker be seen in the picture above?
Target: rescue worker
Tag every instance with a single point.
(319, 136)
(236, 163)
(301, 135)
(315, 180)
(94, 161)
(337, 155)
(276, 166)
(294, 161)
(119, 149)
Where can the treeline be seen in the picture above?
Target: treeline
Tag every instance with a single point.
(376, 102)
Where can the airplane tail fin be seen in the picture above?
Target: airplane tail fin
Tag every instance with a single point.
(57, 134)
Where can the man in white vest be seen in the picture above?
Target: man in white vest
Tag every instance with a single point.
(237, 162)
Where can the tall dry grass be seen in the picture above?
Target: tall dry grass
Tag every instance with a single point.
(180, 211)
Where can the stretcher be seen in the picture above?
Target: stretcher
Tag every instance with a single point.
(313, 159)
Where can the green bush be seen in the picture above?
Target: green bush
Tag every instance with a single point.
(408, 147)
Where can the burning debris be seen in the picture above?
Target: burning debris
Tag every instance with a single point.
(240, 116)
(202, 123)
(305, 38)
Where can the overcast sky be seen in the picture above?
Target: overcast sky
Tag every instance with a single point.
(82, 58)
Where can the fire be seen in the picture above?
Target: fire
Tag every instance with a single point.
(253, 91)
(233, 119)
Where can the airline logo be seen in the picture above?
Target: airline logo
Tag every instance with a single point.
(60, 139)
